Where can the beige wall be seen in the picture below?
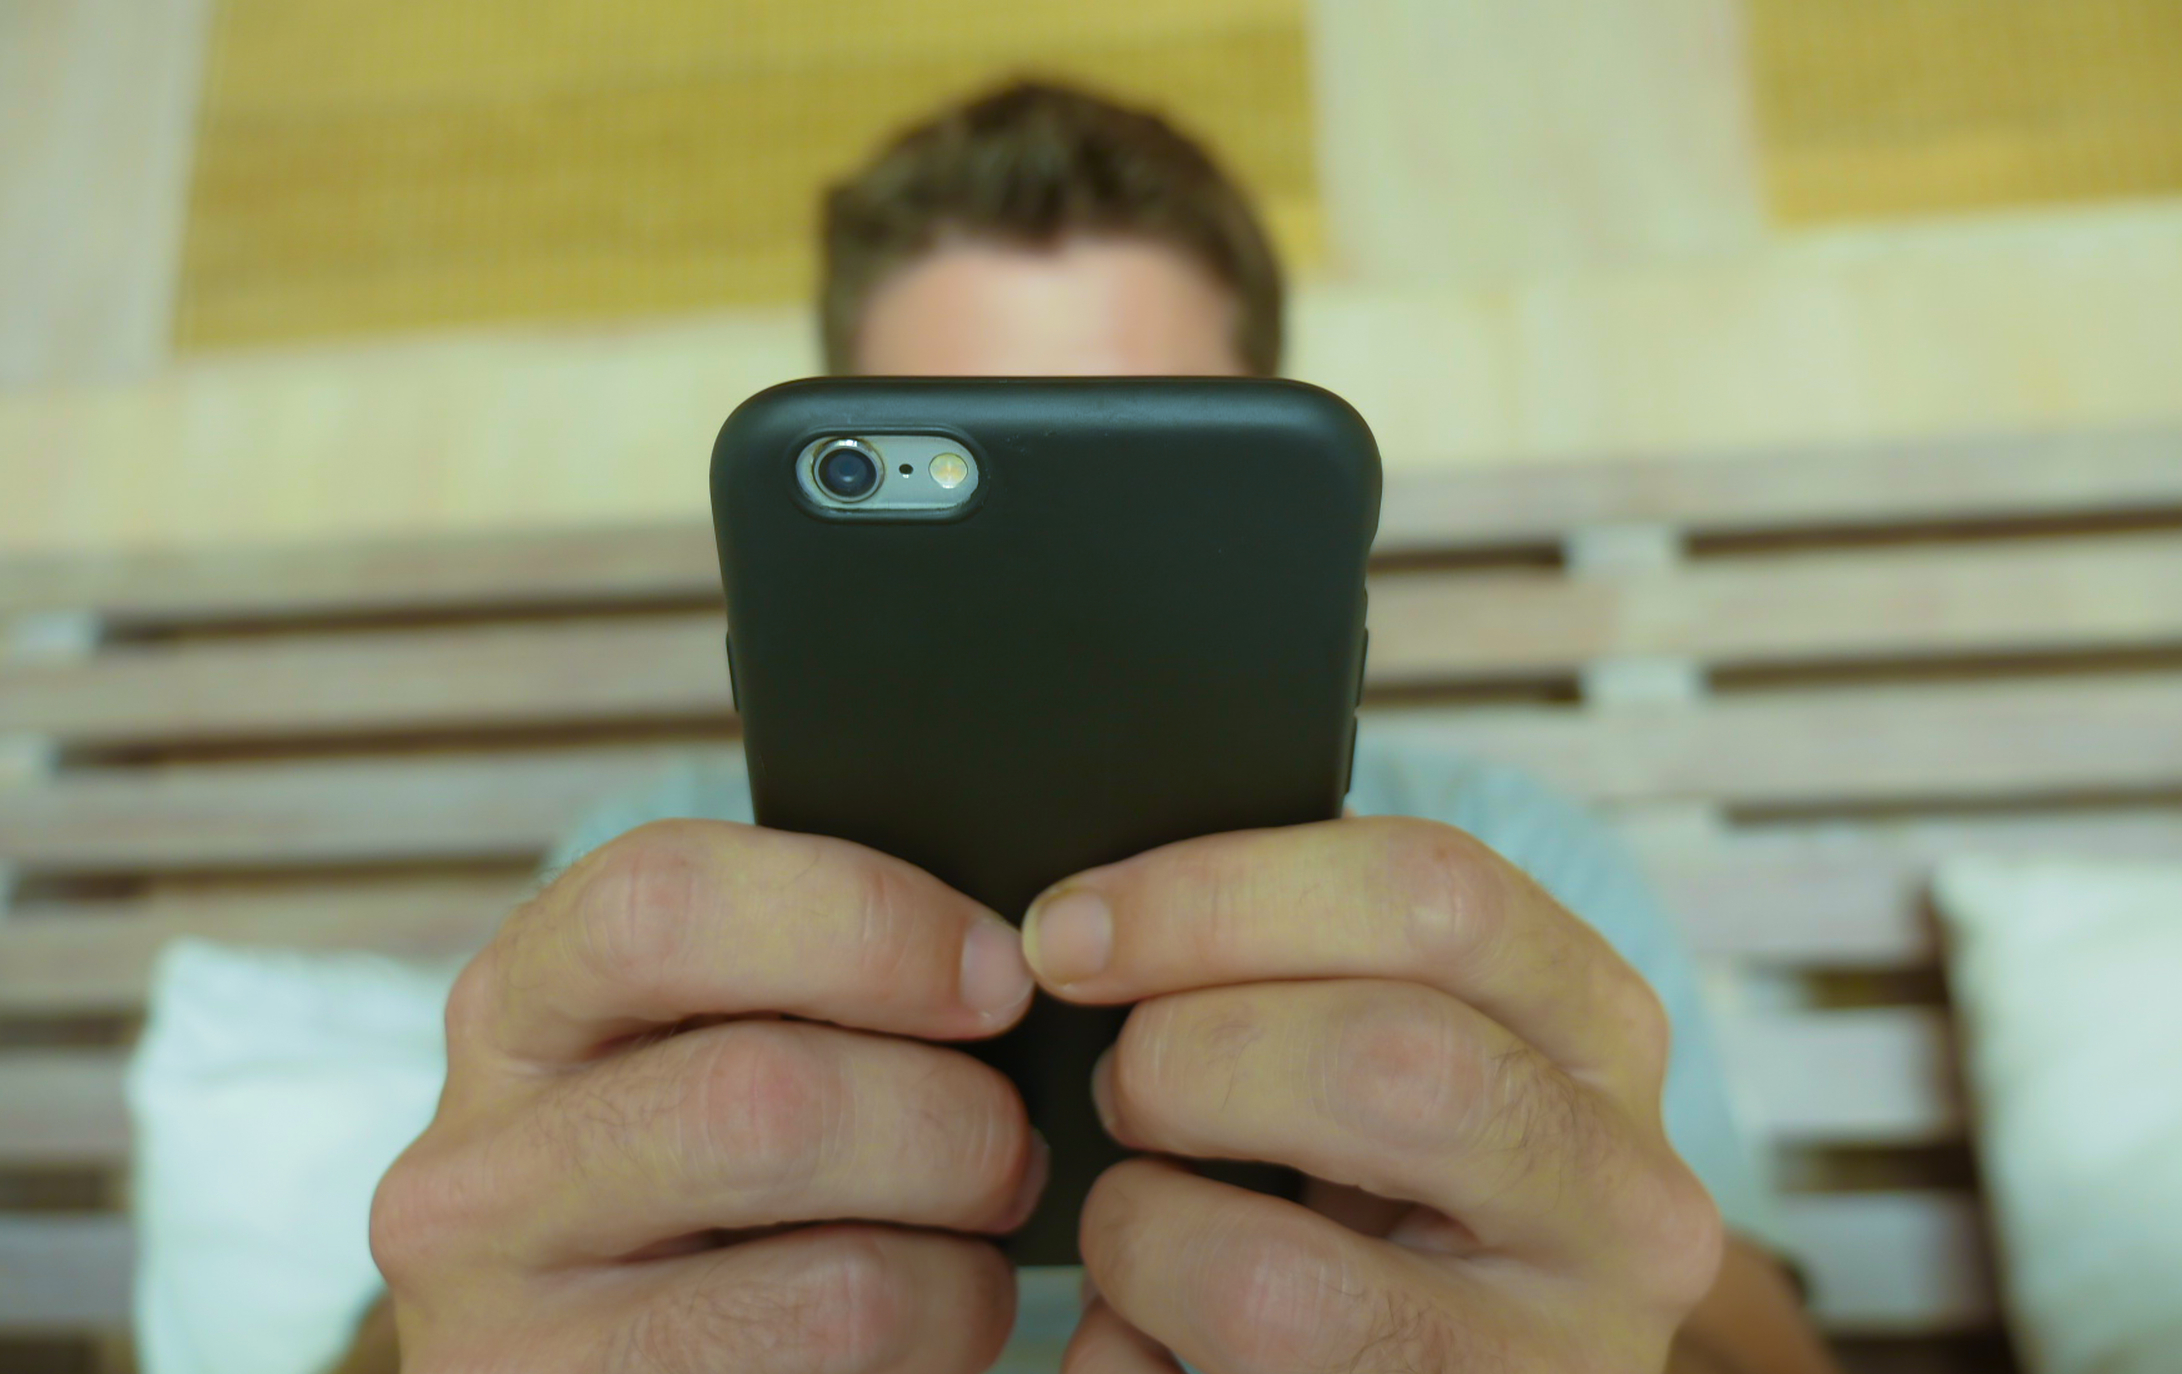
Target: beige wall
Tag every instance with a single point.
(365, 166)
(1610, 285)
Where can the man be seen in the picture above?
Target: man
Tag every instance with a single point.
(702, 1045)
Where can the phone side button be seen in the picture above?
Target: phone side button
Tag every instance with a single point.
(734, 697)
(1363, 661)
(1349, 785)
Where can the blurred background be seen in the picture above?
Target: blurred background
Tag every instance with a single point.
(1782, 401)
(278, 268)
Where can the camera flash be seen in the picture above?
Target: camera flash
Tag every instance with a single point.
(948, 470)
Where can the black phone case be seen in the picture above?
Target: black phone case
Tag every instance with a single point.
(1147, 625)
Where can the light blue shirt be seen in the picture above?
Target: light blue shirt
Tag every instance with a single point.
(1561, 847)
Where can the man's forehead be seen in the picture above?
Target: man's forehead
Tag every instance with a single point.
(1085, 305)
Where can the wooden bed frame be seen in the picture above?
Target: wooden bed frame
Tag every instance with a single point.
(1794, 681)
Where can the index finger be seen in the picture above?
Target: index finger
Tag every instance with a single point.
(682, 919)
(1381, 897)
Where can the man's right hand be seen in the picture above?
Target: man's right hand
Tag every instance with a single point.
(633, 1143)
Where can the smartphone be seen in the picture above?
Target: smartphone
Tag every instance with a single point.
(1009, 629)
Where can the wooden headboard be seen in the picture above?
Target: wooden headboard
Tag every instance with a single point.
(1793, 681)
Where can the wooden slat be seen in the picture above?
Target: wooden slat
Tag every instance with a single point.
(672, 563)
(554, 672)
(1913, 481)
(64, 1273)
(1870, 1076)
(2039, 597)
(96, 957)
(1930, 743)
(1884, 1263)
(2030, 597)
(76, 1114)
(1955, 479)
(1850, 903)
(1934, 743)
(510, 806)
(1854, 896)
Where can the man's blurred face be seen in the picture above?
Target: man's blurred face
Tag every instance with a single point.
(1087, 307)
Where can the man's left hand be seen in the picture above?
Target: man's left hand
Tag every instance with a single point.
(1469, 1075)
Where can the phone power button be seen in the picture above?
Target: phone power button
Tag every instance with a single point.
(734, 696)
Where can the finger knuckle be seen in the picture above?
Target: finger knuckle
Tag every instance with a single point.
(1279, 1300)
(1399, 1069)
(982, 1128)
(858, 1314)
(1227, 893)
(846, 1308)
(1143, 1067)
(637, 912)
(1681, 1237)
(472, 1000)
(421, 1212)
(767, 1107)
(1447, 881)
(1112, 1220)
(1175, 1049)
(1647, 1030)
(959, 1119)
(889, 932)
(842, 1308)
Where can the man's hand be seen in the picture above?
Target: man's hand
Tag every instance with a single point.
(628, 1123)
(1470, 1075)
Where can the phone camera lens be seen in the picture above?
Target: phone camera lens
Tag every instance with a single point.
(847, 471)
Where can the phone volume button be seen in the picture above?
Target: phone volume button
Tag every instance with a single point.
(734, 694)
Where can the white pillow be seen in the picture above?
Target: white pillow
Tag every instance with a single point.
(270, 1091)
(2069, 980)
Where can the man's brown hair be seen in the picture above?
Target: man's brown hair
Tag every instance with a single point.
(1029, 164)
